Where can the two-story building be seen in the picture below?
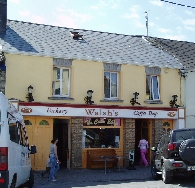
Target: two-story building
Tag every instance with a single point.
(185, 53)
(91, 89)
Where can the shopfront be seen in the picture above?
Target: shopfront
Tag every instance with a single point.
(87, 127)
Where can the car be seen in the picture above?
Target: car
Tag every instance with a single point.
(175, 154)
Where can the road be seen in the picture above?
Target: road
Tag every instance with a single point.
(140, 178)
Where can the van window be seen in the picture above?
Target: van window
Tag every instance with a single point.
(16, 131)
(13, 129)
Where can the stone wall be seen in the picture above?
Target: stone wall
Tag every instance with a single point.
(157, 131)
(128, 138)
(2, 81)
(76, 143)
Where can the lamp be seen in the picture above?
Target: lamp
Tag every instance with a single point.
(182, 72)
(133, 101)
(29, 96)
(88, 98)
(174, 101)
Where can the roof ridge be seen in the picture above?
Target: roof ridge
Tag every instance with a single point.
(74, 29)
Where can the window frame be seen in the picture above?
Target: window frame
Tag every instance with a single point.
(61, 82)
(151, 87)
(117, 89)
(102, 126)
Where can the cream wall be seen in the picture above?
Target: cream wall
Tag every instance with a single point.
(87, 75)
(189, 89)
(22, 71)
(170, 85)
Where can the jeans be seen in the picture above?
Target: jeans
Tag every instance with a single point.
(143, 157)
(54, 167)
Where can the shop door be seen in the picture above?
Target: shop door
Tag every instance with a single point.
(61, 131)
(142, 127)
(167, 125)
(40, 131)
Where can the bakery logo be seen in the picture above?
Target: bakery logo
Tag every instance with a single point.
(171, 114)
(26, 110)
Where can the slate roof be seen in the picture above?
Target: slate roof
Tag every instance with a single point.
(181, 50)
(52, 41)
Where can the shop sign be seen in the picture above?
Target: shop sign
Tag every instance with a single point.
(97, 112)
(101, 122)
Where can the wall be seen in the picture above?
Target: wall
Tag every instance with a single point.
(23, 71)
(157, 131)
(128, 139)
(189, 99)
(2, 81)
(76, 143)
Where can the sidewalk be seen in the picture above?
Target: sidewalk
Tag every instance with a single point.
(66, 178)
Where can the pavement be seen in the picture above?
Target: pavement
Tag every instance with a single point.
(68, 178)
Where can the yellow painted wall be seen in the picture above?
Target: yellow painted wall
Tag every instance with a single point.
(22, 71)
(170, 85)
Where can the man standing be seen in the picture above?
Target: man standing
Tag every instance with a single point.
(143, 146)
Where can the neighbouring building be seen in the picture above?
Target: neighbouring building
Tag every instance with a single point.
(91, 89)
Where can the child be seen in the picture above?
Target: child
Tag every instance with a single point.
(48, 167)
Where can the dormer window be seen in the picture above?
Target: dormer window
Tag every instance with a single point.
(76, 35)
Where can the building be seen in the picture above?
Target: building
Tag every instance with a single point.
(91, 89)
(185, 53)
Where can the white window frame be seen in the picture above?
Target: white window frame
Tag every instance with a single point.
(114, 98)
(151, 87)
(61, 82)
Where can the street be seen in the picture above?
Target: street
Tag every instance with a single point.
(141, 177)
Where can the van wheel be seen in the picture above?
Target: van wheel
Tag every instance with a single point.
(30, 182)
(13, 184)
(165, 175)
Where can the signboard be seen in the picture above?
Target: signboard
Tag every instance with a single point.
(101, 122)
(97, 112)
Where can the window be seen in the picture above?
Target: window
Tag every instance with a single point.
(101, 133)
(16, 131)
(44, 122)
(111, 85)
(152, 87)
(61, 81)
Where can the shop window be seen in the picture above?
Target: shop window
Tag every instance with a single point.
(152, 87)
(44, 122)
(61, 81)
(110, 85)
(101, 133)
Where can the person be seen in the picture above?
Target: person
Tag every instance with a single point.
(53, 159)
(143, 146)
(48, 167)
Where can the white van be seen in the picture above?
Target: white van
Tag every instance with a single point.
(15, 162)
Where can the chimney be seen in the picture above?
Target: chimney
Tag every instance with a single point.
(3, 16)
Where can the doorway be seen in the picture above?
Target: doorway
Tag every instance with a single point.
(61, 131)
(142, 128)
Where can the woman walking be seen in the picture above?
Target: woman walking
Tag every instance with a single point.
(53, 159)
(143, 146)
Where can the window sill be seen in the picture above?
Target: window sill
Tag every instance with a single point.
(153, 102)
(60, 98)
(111, 100)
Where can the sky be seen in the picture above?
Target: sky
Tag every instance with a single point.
(128, 17)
